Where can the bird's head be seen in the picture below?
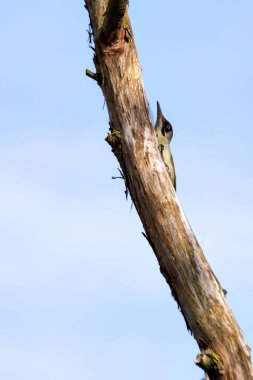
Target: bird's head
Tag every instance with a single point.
(166, 127)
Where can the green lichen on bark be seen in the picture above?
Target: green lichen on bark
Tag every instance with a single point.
(115, 141)
(114, 17)
(209, 361)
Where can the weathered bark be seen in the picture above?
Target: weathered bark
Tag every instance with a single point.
(182, 263)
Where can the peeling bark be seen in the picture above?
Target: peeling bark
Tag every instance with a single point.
(192, 282)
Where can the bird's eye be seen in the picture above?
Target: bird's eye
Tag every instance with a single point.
(168, 127)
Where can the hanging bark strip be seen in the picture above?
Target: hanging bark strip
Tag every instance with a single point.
(224, 353)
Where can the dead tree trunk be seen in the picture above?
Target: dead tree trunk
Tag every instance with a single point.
(224, 352)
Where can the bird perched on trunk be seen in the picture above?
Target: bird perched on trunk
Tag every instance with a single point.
(164, 133)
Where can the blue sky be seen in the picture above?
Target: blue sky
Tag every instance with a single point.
(81, 293)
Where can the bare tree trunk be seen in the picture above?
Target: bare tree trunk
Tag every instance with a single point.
(224, 351)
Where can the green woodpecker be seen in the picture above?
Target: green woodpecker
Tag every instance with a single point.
(164, 133)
